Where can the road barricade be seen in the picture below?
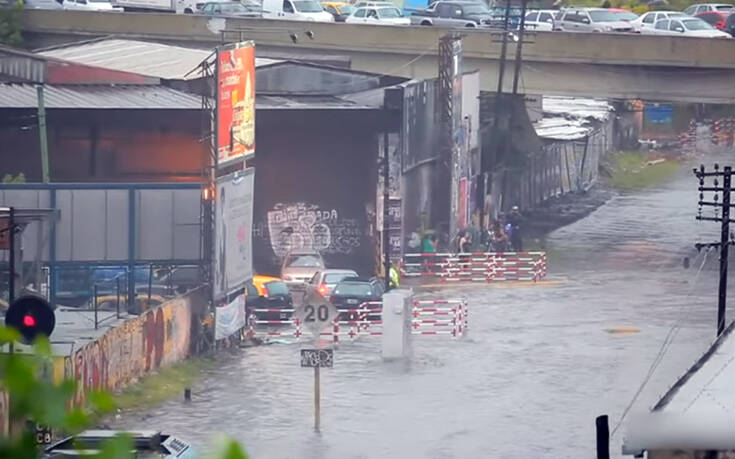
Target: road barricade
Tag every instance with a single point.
(475, 267)
(429, 317)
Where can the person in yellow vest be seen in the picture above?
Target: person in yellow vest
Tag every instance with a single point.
(395, 280)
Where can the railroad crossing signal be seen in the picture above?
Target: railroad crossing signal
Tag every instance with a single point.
(315, 312)
(32, 316)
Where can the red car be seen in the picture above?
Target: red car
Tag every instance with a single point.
(716, 19)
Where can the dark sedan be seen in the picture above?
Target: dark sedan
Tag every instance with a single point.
(352, 292)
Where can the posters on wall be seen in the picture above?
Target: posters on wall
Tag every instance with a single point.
(233, 257)
(235, 102)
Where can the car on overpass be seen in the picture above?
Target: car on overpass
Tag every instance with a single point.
(246, 9)
(593, 20)
(540, 20)
(687, 27)
(297, 10)
(340, 10)
(647, 20)
(453, 14)
(704, 7)
(41, 5)
(716, 19)
(90, 5)
(386, 15)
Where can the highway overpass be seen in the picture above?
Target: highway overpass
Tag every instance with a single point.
(554, 63)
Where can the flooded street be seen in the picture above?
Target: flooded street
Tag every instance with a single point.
(538, 365)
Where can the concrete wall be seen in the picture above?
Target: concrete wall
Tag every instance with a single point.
(603, 65)
(155, 339)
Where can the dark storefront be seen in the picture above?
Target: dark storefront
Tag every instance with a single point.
(316, 186)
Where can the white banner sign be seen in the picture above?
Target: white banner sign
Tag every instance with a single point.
(230, 318)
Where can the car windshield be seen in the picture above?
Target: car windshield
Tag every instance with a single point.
(233, 8)
(696, 24)
(390, 13)
(303, 261)
(604, 16)
(276, 288)
(346, 9)
(353, 289)
(626, 15)
(305, 6)
(477, 8)
(333, 278)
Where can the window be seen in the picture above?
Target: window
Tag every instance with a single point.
(252, 291)
(307, 6)
(573, 17)
(360, 13)
(545, 17)
(287, 7)
(443, 10)
(724, 7)
(353, 289)
(377, 289)
(662, 25)
(676, 26)
(276, 288)
(604, 16)
(372, 14)
(690, 10)
(695, 24)
(333, 278)
(710, 18)
(531, 17)
(331, 10)
(304, 261)
(457, 12)
(390, 13)
(648, 18)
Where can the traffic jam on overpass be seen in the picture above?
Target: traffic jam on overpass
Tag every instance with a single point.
(429, 202)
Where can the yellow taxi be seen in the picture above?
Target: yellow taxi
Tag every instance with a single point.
(269, 296)
(340, 10)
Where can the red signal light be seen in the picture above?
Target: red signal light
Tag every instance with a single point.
(265, 291)
(322, 289)
(29, 320)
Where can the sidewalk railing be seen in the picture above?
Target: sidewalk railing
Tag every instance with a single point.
(475, 267)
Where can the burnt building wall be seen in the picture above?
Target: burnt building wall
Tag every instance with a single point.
(315, 187)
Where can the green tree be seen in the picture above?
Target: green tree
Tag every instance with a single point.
(10, 24)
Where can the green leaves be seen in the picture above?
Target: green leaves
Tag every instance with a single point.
(225, 447)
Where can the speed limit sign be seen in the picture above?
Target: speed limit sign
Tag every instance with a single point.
(315, 313)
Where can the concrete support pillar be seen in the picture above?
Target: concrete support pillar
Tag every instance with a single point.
(397, 306)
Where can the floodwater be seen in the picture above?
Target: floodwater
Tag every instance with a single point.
(536, 367)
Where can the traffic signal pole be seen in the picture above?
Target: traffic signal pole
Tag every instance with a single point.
(725, 242)
(11, 255)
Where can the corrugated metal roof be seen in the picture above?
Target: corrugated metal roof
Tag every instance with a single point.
(146, 58)
(306, 103)
(570, 118)
(122, 97)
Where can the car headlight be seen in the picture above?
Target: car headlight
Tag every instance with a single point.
(607, 28)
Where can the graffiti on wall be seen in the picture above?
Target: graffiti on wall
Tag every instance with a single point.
(155, 339)
(305, 226)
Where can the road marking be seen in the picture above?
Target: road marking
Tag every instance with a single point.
(622, 330)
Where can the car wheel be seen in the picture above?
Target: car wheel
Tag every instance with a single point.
(471, 25)
(188, 11)
(425, 23)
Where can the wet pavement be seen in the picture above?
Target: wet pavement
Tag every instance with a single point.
(538, 365)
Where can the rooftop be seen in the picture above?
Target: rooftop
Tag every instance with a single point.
(122, 97)
(146, 58)
(570, 118)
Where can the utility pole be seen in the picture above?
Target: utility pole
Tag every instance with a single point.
(386, 200)
(519, 46)
(724, 219)
(43, 140)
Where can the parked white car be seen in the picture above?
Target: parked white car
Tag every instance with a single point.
(687, 27)
(388, 15)
(90, 5)
(648, 20)
(707, 7)
(541, 20)
(298, 10)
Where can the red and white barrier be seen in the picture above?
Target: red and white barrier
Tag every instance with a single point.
(475, 267)
(429, 317)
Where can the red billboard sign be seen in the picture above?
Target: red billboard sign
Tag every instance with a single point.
(235, 102)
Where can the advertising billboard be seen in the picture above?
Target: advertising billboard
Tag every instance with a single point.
(235, 102)
(233, 222)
